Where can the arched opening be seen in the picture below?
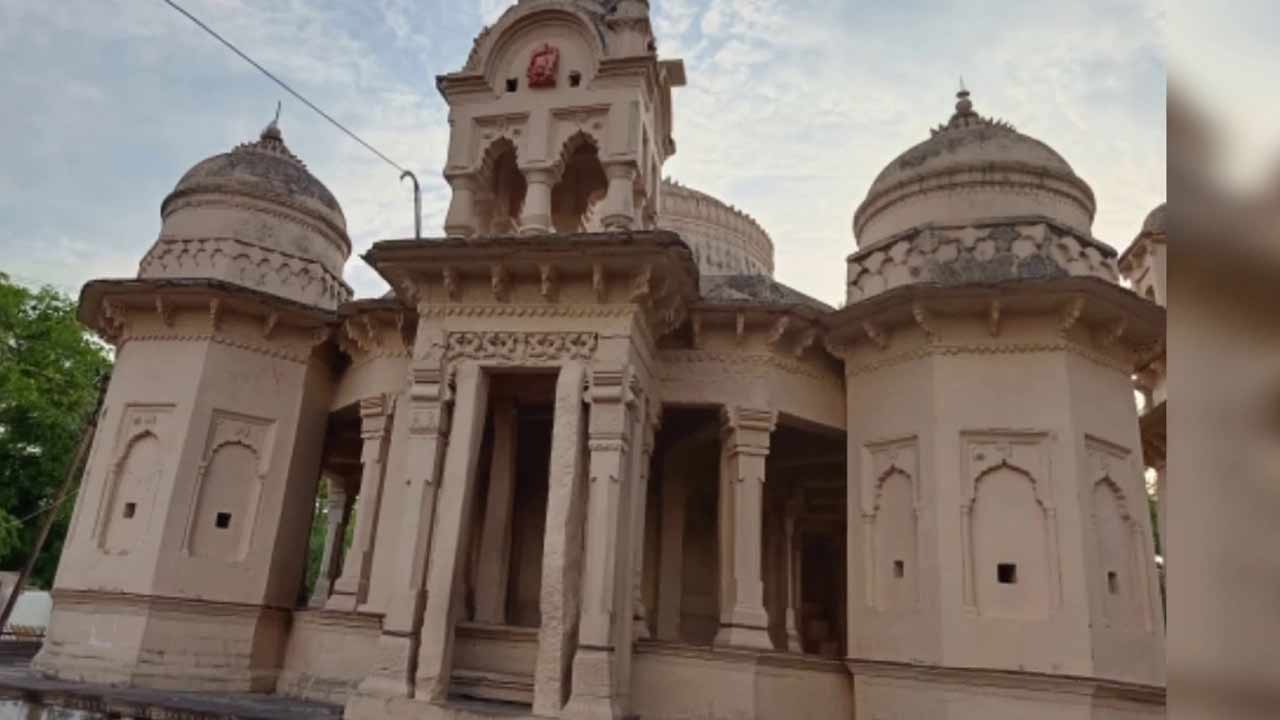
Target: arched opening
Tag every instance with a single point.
(582, 186)
(1010, 548)
(502, 198)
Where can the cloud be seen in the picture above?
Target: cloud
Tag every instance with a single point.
(792, 109)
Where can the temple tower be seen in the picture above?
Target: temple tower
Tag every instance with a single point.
(560, 121)
(997, 517)
(183, 556)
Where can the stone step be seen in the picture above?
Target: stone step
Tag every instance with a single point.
(492, 686)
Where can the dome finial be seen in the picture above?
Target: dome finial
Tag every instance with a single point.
(964, 105)
(272, 130)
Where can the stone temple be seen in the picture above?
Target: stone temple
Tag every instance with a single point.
(589, 459)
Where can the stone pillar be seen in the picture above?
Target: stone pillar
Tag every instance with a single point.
(560, 599)
(619, 203)
(352, 589)
(495, 538)
(744, 447)
(595, 681)
(428, 416)
(535, 219)
(337, 508)
(671, 554)
(449, 534)
(791, 568)
(639, 503)
(460, 221)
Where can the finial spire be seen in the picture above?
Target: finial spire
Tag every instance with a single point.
(272, 130)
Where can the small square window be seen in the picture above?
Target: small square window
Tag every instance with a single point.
(130, 509)
(1113, 582)
(512, 84)
(899, 568)
(1007, 573)
(575, 78)
(222, 520)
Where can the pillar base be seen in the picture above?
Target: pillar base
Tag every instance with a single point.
(341, 602)
(743, 637)
(594, 696)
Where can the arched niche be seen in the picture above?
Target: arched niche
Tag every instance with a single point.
(503, 189)
(132, 484)
(893, 526)
(1010, 545)
(228, 489)
(504, 51)
(1120, 566)
(581, 187)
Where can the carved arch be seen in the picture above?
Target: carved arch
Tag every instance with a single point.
(232, 430)
(495, 41)
(875, 531)
(1131, 556)
(111, 488)
(503, 187)
(1025, 454)
(581, 183)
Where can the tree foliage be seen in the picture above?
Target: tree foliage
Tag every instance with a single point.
(49, 373)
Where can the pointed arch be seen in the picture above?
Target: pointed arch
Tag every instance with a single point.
(581, 183)
(503, 188)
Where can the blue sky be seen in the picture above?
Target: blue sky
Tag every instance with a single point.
(792, 108)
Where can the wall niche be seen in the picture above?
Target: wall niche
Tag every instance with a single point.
(229, 485)
(1009, 526)
(891, 520)
(1121, 569)
(133, 479)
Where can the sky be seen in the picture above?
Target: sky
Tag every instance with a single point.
(792, 108)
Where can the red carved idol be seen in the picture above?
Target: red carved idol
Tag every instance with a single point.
(543, 66)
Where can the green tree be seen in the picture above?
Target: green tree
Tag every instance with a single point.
(49, 373)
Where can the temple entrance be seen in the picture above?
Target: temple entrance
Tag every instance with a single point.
(497, 640)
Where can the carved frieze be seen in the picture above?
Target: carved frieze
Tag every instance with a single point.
(513, 347)
(960, 255)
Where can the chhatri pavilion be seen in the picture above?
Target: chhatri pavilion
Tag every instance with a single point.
(588, 459)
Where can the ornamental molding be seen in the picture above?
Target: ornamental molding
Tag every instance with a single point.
(287, 210)
(514, 347)
(269, 351)
(528, 311)
(255, 263)
(853, 370)
(738, 363)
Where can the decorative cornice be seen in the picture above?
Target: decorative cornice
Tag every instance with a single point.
(520, 346)
(528, 311)
(752, 361)
(986, 349)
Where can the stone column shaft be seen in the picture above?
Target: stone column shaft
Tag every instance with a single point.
(639, 505)
(428, 416)
(560, 599)
(495, 538)
(595, 691)
(535, 218)
(619, 203)
(460, 220)
(791, 562)
(336, 517)
(671, 554)
(448, 536)
(352, 589)
(745, 440)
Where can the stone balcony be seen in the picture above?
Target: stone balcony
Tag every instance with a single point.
(980, 253)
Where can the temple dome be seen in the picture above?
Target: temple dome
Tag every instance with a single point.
(257, 217)
(1156, 222)
(724, 239)
(973, 169)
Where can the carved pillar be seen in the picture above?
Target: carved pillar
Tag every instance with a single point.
(536, 216)
(352, 589)
(428, 415)
(560, 599)
(639, 503)
(595, 691)
(791, 568)
(619, 203)
(744, 447)
(671, 555)
(337, 508)
(460, 221)
(448, 536)
(495, 538)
